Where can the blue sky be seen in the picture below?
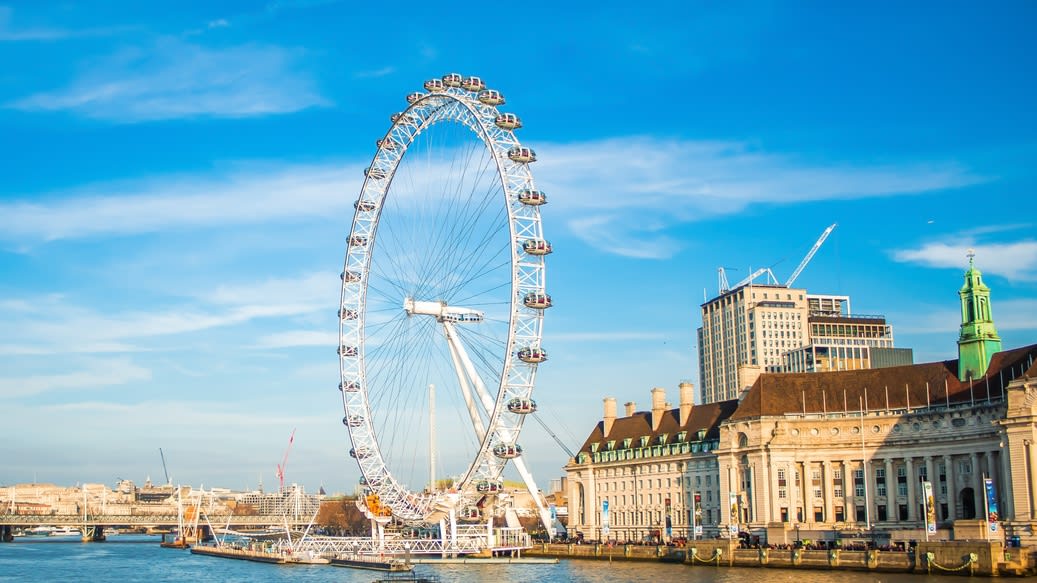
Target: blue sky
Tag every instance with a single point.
(178, 185)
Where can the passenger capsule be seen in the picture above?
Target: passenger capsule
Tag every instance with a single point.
(536, 247)
(363, 481)
(508, 121)
(353, 420)
(473, 84)
(349, 386)
(471, 513)
(359, 241)
(347, 351)
(507, 451)
(522, 406)
(435, 85)
(368, 206)
(488, 486)
(532, 355)
(537, 300)
(491, 97)
(522, 154)
(452, 80)
(387, 144)
(374, 173)
(414, 97)
(360, 453)
(349, 276)
(403, 118)
(533, 197)
(347, 314)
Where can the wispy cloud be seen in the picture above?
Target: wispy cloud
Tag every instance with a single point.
(610, 336)
(375, 73)
(10, 33)
(1014, 260)
(60, 327)
(669, 182)
(174, 79)
(1013, 314)
(246, 195)
(297, 338)
(95, 374)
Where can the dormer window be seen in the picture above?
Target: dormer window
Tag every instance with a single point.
(644, 441)
(594, 447)
(663, 437)
(700, 434)
(611, 445)
(627, 442)
(682, 436)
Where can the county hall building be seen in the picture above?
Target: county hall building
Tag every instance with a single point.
(827, 455)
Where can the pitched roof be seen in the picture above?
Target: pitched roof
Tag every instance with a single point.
(898, 387)
(707, 417)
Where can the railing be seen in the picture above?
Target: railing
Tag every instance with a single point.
(144, 520)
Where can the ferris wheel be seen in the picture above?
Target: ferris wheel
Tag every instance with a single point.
(442, 304)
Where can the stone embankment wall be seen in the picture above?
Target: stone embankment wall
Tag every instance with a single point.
(943, 557)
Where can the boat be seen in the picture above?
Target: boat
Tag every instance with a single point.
(410, 577)
(248, 554)
(391, 564)
(40, 531)
(66, 531)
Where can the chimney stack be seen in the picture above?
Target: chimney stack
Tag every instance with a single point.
(610, 416)
(630, 407)
(658, 407)
(687, 400)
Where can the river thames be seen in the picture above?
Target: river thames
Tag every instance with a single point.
(138, 558)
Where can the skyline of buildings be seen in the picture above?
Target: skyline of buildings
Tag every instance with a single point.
(829, 455)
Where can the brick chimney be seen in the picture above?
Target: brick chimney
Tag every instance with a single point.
(609, 417)
(658, 406)
(687, 400)
(629, 408)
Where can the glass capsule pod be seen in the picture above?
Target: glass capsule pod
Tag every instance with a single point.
(508, 121)
(532, 355)
(363, 481)
(536, 246)
(347, 314)
(522, 154)
(473, 84)
(349, 276)
(414, 97)
(452, 80)
(532, 197)
(347, 350)
(360, 453)
(507, 451)
(522, 406)
(365, 205)
(353, 420)
(537, 300)
(387, 143)
(358, 240)
(403, 118)
(349, 386)
(488, 486)
(471, 513)
(374, 173)
(491, 97)
(435, 85)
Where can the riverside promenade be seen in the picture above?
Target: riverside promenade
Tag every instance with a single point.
(979, 558)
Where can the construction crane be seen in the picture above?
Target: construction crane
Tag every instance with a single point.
(810, 255)
(164, 470)
(755, 274)
(284, 461)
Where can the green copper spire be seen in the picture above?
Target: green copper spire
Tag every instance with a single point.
(978, 340)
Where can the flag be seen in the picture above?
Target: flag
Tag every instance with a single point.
(992, 514)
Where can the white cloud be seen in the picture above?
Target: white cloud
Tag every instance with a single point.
(295, 338)
(173, 79)
(669, 182)
(8, 33)
(375, 73)
(1016, 260)
(614, 336)
(1009, 315)
(99, 373)
(245, 195)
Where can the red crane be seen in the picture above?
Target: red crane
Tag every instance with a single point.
(284, 461)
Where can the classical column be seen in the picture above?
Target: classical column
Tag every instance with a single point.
(1004, 476)
(826, 481)
(766, 488)
(847, 492)
(976, 486)
(870, 491)
(891, 493)
(909, 469)
(952, 502)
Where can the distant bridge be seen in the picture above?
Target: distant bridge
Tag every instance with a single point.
(149, 520)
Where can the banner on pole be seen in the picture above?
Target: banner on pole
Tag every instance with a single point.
(930, 507)
(991, 494)
(732, 526)
(669, 518)
(605, 517)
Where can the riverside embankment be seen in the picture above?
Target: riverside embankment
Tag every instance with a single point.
(980, 558)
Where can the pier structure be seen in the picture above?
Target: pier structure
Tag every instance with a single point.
(465, 540)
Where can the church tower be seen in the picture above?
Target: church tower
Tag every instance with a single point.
(978, 340)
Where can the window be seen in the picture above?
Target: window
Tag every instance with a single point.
(840, 514)
(819, 514)
(882, 513)
(902, 511)
(861, 515)
(784, 514)
(858, 482)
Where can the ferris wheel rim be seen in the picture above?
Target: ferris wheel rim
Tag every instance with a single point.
(527, 273)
